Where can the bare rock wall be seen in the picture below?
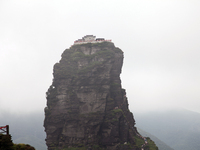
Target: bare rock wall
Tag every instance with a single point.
(86, 105)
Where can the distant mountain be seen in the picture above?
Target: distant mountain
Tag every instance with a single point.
(161, 145)
(180, 129)
(26, 128)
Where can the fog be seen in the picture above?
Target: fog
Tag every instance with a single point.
(160, 41)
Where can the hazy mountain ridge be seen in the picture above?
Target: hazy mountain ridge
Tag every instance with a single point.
(161, 145)
(21, 127)
(180, 129)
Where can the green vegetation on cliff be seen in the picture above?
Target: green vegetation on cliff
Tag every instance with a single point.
(151, 145)
(68, 66)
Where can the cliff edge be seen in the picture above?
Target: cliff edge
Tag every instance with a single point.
(87, 108)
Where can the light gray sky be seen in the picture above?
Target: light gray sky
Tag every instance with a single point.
(160, 40)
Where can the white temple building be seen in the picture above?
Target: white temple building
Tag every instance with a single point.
(90, 39)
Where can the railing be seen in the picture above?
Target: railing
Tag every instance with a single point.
(4, 129)
(91, 41)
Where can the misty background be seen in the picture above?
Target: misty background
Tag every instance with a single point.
(160, 41)
(161, 69)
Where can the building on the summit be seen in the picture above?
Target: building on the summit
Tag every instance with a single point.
(90, 39)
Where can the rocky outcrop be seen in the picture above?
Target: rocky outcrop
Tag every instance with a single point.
(86, 105)
(7, 144)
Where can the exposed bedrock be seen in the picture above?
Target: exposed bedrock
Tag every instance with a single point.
(86, 105)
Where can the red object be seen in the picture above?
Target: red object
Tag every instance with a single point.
(3, 127)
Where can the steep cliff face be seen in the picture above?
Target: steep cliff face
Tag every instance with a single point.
(86, 105)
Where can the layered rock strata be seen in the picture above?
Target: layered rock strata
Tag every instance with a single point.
(86, 105)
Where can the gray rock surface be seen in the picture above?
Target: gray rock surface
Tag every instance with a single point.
(86, 105)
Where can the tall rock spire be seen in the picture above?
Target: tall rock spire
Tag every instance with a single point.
(86, 105)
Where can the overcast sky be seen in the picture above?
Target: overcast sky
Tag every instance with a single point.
(160, 40)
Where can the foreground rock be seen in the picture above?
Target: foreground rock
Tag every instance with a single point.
(7, 144)
(86, 105)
